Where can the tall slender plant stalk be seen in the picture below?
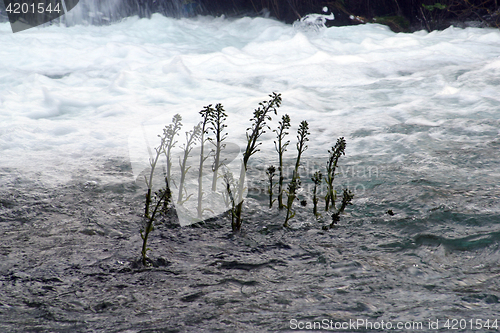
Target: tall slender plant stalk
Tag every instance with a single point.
(260, 116)
(163, 197)
(281, 146)
(149, 181)
(191, 138)
(271, 171)
(169, 132)
(294, 185)
(316, 178)
(331, 165)
(302, 139)
(166, 140)
(228, 181)
(206, 113)
(292, 188)
(217, 119)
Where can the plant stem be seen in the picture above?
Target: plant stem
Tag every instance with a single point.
(217, 119)
(261, 115)
(205, 113)
(294, 185)
(166, 144)
(163, 198)
(164, 140)
(331, 165)
(236, 221)
(302, 139)
(317, 177)
(292, 191)
(281, 146)
(191, 137)
(169, 132)
(228, 180)
(270, 174)
(149, 182)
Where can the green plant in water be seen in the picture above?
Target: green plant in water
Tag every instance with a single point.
(294, 185)
(217, 118)
(149, 182)
(281, 146)
(161, 205)
(206, 113)
(346, 200)
(331, 166)
(229, 197)
(260, 116)
(162, 197)
(316, 178)
(169, 132)
(302, 139)
(166, 143)
(191, 138)
(271, 171)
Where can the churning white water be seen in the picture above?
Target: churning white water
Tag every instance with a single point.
(69, 93)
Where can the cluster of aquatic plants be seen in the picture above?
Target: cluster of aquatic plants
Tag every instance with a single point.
(212, 129)
(295, 183)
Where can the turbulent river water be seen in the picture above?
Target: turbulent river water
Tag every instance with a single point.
(420, 113)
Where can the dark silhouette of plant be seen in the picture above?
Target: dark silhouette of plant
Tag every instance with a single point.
(346, 200)
(331, 165)
(162, 199)
(229, 200)
(271, 171)
(217, 118)
(260, 117)
(302, 139)
(316, 178)
(149, 182)
(163, 196)
(206, 114)
(281, 146)
(166, 143)
(294, 185)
